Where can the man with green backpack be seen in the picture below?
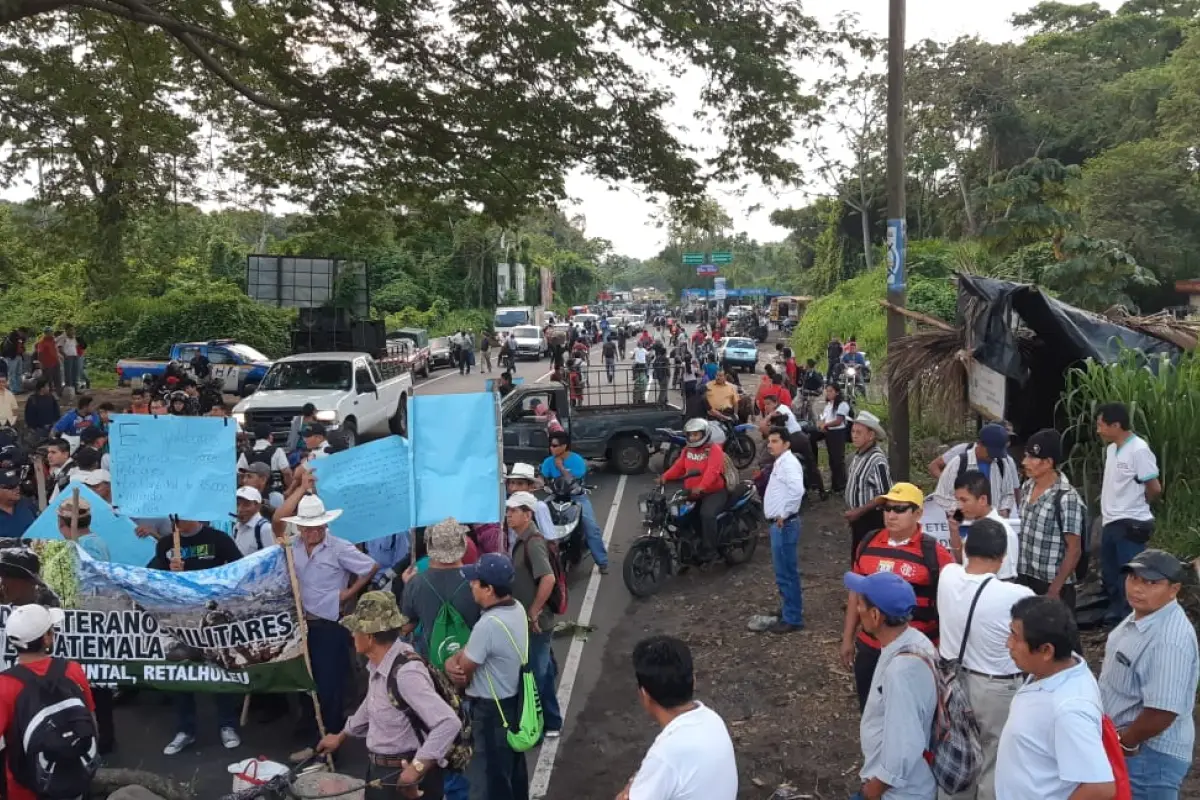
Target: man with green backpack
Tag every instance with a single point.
(506, 714)
(438, 602)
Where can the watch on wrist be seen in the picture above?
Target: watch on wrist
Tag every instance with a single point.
(418, 766)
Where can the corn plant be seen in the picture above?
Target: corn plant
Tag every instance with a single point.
(1164, 405)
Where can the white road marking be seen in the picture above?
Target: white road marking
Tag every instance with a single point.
(540, 784)
(428, 381)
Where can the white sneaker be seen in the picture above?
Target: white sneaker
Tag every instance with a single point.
(179, 743)
(230, 738)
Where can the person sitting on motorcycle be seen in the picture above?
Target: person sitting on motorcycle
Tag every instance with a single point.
(814, 381)
(179, 406)
(562, 463)
(701, 465)
(699, 336)
(523, 478)
(721, 395)
(851, 355)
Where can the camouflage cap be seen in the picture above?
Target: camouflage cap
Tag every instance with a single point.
(375, 612)
(445, 541)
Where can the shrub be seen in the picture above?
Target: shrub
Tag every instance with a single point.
(1164, 404)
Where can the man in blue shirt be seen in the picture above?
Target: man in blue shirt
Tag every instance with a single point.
(562, 462)
(78, 418)
(16, 513)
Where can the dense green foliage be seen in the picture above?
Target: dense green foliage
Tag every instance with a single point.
(1164, 402)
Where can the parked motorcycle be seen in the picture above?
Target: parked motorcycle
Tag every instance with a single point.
(671, 443)
(738, 444)
(567, 516)
(672, 538)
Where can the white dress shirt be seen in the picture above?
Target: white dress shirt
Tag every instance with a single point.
(785, 489)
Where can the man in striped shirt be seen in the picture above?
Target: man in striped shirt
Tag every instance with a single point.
(869, 479)
(1148, 680)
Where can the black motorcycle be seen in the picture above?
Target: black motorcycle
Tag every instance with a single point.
(567, 515)
(671, 542)
(738, 444)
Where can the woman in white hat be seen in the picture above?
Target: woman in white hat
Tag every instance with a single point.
(870, 478)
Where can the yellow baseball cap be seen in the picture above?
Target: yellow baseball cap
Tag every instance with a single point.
(905, 493)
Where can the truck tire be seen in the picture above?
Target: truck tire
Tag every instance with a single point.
(350, 431)
(629, 455)
(398, 424)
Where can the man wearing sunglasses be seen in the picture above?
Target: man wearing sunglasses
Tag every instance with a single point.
(903, 548)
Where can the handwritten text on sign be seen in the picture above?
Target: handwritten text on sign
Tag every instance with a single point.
(372, 486)
(164, 465)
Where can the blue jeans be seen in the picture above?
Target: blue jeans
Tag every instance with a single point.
(496, 771)
(1116, 550)
(71, 371)
(591, 529)
(16, 368)
(784, 541)
(455, 786)
(1154, 775)
(545, 673)
(228, 708)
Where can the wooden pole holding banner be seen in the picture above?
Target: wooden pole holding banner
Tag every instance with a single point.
(75, 513)
(500, 456)
(175, 538)
(303, 623)
(39, 477)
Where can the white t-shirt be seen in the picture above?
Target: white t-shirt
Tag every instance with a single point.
(1008, 567)
(1051, 742)
(691, 759)
(68, 345)
(987, 644)
(789, 419)
(1121, 496)
(639, 355)
(830, 413)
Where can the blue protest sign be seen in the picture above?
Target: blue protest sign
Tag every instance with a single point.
(164, 465)
(119, 533)
(456, 463)
(371, 484)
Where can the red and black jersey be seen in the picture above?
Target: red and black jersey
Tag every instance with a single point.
(918, 561)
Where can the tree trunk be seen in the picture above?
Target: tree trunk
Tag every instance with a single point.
(967, 210)
(866, 237)
(106, 268)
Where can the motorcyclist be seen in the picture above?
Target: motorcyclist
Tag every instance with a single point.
(701, 466)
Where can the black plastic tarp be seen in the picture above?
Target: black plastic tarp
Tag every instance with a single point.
(1065, 335)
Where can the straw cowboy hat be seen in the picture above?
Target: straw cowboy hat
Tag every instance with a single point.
(870, 422)
(311, 513)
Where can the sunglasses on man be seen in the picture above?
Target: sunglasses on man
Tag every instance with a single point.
(903, 508)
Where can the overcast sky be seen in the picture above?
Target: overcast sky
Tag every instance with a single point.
(625, 216)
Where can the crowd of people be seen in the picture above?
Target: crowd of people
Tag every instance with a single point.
(454, 624)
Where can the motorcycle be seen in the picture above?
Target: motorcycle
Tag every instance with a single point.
(852, 381)
(671, 442)
(738, 444)
(567, 516)
(671, 541)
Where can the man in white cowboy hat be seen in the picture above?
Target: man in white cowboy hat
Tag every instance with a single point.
(523, 478)
(331, 573)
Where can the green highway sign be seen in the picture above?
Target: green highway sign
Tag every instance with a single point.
(693, 258)
(722, 258)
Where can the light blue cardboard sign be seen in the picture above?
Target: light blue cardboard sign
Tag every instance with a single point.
(119, 533)
(456, 463)
(163, 465)
(371, 484)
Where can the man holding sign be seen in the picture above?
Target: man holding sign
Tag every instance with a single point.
(331, 572)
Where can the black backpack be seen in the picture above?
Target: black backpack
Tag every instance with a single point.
(51, 738)
(266, 456)
(1085, 556)
(963, 468)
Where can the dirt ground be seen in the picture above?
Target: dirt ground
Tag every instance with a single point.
(789, 704)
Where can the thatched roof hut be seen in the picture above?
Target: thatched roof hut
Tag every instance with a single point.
(1012, 348)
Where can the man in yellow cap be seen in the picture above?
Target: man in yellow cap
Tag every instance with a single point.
(903, 548)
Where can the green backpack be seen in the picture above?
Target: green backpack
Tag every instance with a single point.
(450, 631)
(528, 732)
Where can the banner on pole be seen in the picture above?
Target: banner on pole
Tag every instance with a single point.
(455, 464)
(227, 629)
(372, 485)
(118, 533)
(163, 465)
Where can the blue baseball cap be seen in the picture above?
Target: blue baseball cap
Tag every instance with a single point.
(887, 591)
(994, 437)
(494, 569)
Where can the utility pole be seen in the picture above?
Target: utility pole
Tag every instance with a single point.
(897, 234)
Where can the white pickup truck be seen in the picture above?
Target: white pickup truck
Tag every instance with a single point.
(351, 391)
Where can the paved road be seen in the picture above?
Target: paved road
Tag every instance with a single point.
(146, 724)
